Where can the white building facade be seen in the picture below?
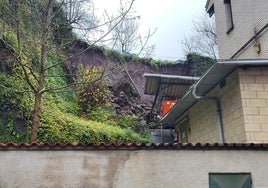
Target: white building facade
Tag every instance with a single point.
(242, 28)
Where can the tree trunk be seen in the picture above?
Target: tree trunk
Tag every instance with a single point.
(46, 20)
(36, 116)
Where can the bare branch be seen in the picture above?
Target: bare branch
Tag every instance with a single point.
(91, 45)
(203, 39)
(126, 37)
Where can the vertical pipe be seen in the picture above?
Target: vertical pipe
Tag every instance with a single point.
(218, 112)
(219, 120)
(162, 134)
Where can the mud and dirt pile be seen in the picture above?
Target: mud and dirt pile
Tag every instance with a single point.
(124, 77)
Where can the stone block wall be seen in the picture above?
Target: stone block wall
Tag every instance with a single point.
(254, 93)
(231, 106)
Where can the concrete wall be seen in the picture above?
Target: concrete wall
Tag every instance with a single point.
(254, 93)
(131, 169)
(248, 16)
(202, 119)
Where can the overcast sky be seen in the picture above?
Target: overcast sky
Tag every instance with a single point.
(172, 18)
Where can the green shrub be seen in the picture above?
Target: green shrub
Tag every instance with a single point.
(10, 39)
(90, 87)
(126, 121)
(99, 113)
(57, 126)
(8, 134)
(13, 92)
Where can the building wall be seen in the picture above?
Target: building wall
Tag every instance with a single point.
(202, 124)
(254, 92)
(132, 169)
(202, 119)
(244, 105)
(248, 17)
(231, 105)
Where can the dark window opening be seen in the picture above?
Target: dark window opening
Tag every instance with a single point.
(211, 11)
(182, 130)
(229, 16)
(230, 180)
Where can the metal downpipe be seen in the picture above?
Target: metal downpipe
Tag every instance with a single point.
(218, 109)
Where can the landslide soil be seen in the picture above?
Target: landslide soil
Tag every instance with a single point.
(121, 76)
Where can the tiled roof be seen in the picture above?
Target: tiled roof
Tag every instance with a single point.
(133, 146)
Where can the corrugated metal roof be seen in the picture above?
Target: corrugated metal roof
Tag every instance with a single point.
(171, 85)
(132, 146)
(208, 81)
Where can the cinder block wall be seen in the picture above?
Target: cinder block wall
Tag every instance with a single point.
(248, 17)
(254, 93)
(202, 123)
(202, 119)
(231, 106)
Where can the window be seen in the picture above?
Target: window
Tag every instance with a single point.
(211, 10)
(229, 16)
(182, 130)
(230, 180)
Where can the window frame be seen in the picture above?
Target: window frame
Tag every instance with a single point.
(232, 173)
(228, 16)
(183, 126)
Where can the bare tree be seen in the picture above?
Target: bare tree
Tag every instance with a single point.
(36, 41)
(203, 39)
(126, 37)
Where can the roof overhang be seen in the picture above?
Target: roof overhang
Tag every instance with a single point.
(218, 72)
(171, 85)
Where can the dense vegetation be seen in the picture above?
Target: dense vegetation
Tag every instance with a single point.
(198, 64)
(36, 94)
(39, 100)
(70, 115)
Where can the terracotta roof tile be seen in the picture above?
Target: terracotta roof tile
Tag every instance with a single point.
(133, 146)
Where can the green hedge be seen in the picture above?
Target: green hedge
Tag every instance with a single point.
(57, 126)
